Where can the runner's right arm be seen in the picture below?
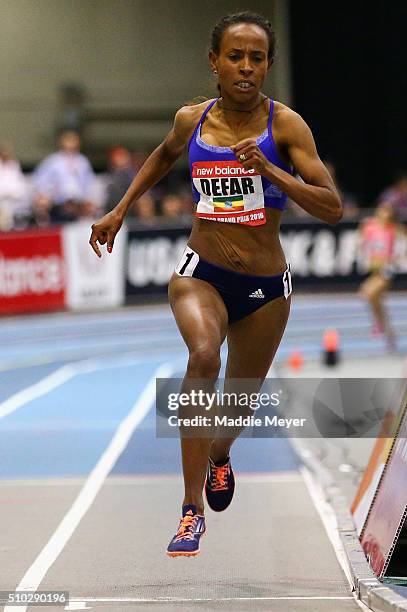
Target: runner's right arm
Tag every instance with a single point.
(156, 166)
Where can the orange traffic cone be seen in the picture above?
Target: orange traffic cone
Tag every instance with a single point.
(331, 346)
(295, 360)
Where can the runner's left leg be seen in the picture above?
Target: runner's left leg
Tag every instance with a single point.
(252, 344)
(374, 290)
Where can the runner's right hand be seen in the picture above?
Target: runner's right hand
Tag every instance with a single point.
(105, 230)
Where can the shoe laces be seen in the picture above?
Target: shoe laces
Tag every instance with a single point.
(219, 476)
(186, 527)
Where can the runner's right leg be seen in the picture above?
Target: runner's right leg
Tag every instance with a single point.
(202, 319)
(373, 289)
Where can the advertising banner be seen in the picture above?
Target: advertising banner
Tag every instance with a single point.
(31, 271)
(92, 282)
(151, 258)
(321, 256)
(387, 514)
(371, 478)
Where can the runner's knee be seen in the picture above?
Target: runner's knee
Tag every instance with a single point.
(204, 362)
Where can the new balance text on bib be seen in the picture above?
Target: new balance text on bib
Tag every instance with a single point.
(228, 193)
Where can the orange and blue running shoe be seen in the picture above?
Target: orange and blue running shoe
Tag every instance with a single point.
(185, 543)
(219, 485)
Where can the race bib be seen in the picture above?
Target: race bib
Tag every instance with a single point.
(187, 263)
(228, 193)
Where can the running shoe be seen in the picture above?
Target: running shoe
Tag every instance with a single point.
(219, 485)
(185, 543)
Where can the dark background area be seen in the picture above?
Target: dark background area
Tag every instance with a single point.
(340, 64)
(349, 80)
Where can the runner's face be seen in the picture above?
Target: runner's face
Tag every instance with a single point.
(242, 62)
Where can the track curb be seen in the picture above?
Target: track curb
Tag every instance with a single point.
(365, 585)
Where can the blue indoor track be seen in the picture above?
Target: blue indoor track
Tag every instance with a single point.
(102, 362)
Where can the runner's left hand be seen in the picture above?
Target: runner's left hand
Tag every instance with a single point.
(254, 156)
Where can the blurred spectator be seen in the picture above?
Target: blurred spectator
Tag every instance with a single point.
(349, 204)
(171, 206)
(64, 182)
(172, 210)
(121, 174)
(188, 204)
(41, 216)
(144, 209)
(396, 195)
(14, 197)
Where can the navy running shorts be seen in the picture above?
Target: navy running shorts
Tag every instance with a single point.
(241, 293)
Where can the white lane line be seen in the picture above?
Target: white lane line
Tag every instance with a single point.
(40, 388)
(77, 601)
(81, 604)
(35, 574)
(117, 357)
(65, 373)
(328, 518)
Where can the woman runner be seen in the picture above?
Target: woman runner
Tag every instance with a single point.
(377, 239)
(232, 281)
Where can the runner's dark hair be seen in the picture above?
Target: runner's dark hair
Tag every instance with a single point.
(243, 17)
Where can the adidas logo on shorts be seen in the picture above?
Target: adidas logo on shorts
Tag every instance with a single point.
(257, 294)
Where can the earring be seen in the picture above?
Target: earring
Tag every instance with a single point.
(215, 72)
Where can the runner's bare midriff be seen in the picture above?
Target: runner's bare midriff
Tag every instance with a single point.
(250, 250)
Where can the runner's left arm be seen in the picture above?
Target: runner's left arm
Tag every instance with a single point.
(317, 194)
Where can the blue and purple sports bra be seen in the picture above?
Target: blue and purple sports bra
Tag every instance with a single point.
(223, 190)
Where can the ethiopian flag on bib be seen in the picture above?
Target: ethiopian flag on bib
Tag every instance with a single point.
(228, 204)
